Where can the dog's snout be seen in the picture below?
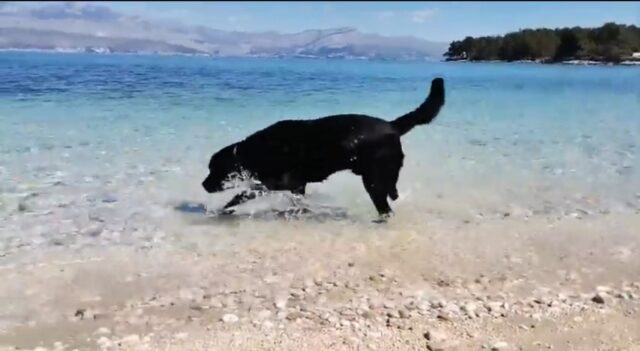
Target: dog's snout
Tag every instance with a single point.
(211, 185)
(206, 185)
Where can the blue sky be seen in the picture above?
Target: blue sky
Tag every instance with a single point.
(440, 21)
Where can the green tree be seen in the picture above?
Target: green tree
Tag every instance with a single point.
(569, 45)
(610, 42)
(514, 47)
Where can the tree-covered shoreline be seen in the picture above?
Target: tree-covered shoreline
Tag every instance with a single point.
(610, 43)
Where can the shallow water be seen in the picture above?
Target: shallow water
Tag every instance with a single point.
(111, 150)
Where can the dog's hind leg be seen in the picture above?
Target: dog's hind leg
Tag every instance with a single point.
(388, 167)
(376, 186)
(380, 170)
(391, 174)
(392, 167)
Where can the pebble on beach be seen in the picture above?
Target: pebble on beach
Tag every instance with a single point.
(599, 298)
(499, 346)
(230, 318)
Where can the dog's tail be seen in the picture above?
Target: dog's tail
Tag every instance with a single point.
(426, 112)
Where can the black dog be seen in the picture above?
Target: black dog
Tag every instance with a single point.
(289, 154)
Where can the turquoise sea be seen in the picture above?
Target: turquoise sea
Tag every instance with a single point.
(111, 149)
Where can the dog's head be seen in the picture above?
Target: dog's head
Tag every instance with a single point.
(222, 166)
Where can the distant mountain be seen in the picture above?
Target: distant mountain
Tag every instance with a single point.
(94, 28)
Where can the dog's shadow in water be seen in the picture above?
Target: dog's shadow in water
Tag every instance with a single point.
(199, 212)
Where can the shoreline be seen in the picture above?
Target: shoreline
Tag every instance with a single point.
(428, 60)
(212, 56)
(541, 62)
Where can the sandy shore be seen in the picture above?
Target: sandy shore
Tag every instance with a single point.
(502, 284)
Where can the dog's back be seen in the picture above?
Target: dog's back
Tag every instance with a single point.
(313, 149)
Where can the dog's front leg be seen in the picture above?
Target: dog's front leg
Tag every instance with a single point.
(240, 198)
(244, 197)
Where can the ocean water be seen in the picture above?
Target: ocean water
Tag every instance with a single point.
(111, 150)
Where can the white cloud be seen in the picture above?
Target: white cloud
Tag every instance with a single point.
(386, 14)
(328, 8)
(417, 16)
(57, 10)
(421, 16)
(10, 7)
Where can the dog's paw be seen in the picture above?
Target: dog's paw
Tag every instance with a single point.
(383, 218)
(225, 212)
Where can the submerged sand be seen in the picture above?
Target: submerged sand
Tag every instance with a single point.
(501, 284)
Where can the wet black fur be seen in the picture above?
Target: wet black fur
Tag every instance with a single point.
(291, 153)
